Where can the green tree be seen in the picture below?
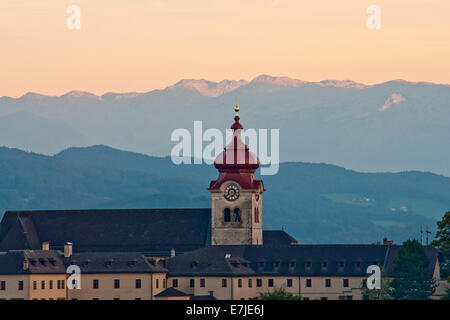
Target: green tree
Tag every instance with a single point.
(442, 243)
(280, 294)
(384, 293)
(412, 280)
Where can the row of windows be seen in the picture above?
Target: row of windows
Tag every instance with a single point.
(60, 285)
(237, 215)
(327, 283)
(138, 283)
(270, 283)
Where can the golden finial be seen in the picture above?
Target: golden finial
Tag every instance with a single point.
(236, 108)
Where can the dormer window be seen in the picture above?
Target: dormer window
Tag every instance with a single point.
(358, 264)
(341, 264)
(308, 264)
(324, 264)
(292, 264)
(276, 264)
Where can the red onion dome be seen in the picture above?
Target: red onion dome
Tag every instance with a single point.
(236, 155)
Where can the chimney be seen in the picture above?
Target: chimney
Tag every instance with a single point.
(172, 252)
(68, 250)
(25, 265)
(46, 246)
(386, 241)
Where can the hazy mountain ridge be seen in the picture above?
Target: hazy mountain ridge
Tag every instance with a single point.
(317, 203)
(392, 126)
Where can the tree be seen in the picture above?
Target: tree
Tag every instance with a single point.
(412, 280)
(384, 293)
(443, 243)
(278, 295)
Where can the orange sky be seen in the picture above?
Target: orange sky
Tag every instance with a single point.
(139, 45)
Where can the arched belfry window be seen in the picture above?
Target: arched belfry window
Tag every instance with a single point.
(237, 215)
(227, 215)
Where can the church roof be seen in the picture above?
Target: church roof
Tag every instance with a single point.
(148, 231)
(137, 230)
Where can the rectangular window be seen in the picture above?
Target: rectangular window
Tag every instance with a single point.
(58, 284)
(20, 285)
(43, 284)
(239, 283)
(3, 285)
(192, 283)
(116, 283)
(345, 283)
(270, 282)
(202, 283)
(249, 283)
(50, 284)
(175, 283)
(289, 282)
(327, 283)
(224, 283)
(308, 283)
(259, 282)
(138, 283)
(63, 284)
(164, 283)
(157, 283)
(95, 284)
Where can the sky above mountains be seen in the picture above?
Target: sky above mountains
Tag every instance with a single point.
(139, 45)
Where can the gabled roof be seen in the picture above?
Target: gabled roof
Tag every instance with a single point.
(172, 292)
(37, 261)
(296, 260)
(136, 230)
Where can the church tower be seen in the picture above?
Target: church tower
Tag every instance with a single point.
(236, 196)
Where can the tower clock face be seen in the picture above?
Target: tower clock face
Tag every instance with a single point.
(231, 192)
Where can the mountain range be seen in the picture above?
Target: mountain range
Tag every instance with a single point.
(391, 126)
(316, 203)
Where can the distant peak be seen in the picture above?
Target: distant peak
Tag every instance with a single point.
(282, 81)
(79, 94)
(209, 88)
(33, 95)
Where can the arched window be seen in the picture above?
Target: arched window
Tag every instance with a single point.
(227, 215)
(237, 215)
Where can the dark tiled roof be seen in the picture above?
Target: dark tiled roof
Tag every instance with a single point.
(138, 230)
(39, 262)
(172, 292)
(298, 260)
(113, 262)
(277, 238)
